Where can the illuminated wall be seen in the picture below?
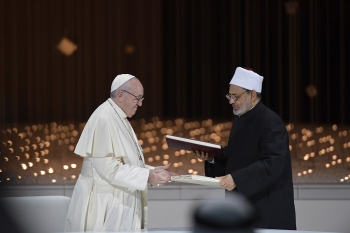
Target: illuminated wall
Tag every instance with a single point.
(43, 153)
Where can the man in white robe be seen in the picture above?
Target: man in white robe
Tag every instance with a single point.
(111, 191)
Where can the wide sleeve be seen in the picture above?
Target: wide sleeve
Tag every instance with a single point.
(218, 167)
(274, 146)
(114, 172)
(108, 160)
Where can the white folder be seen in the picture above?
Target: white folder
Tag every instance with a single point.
(196, 179)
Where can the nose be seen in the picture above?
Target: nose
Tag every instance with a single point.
(139, 103)
(232, 101)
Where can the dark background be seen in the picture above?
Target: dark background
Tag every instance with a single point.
(183, 51)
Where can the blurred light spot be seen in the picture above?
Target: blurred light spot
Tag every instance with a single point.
(75, 133)
(334, 127)
(24, 166)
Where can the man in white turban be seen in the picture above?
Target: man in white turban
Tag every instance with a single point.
(111, 191)
(257, 160)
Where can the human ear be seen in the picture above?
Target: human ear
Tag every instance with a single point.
(253, 95)
(120, 95)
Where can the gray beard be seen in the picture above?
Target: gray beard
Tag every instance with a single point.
(245, 108)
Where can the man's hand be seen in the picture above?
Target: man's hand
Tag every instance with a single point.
(160, 175)
(162, 168)
(203, 156)
(227, 182)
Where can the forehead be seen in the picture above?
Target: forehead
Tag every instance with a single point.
(136, 87)
(233, 89)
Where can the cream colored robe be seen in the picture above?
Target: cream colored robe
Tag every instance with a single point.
(111, 191)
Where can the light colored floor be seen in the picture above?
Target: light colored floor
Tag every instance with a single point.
(318, 207)
(189, 230)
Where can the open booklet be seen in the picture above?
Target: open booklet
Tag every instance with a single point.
(192, 144)
(196, 179)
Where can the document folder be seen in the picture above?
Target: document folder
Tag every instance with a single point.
(196, 179)
(192, 144)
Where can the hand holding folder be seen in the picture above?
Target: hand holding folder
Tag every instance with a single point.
(193, 145)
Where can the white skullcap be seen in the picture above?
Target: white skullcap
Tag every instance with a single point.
(247, 79)
(120, 80)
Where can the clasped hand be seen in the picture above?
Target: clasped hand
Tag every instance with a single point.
(160, 175)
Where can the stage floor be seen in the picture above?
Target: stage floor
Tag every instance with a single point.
(190, 230)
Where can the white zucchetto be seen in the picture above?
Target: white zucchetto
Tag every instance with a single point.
(120, 80)
(247, 79)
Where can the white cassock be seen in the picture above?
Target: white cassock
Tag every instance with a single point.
(111, 191)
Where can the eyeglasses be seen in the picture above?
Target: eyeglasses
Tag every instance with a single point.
(234, 97)
(137, 99)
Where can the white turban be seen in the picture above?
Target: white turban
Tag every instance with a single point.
(120, 80)
(247, 79)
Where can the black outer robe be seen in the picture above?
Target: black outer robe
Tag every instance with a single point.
(258, 159)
